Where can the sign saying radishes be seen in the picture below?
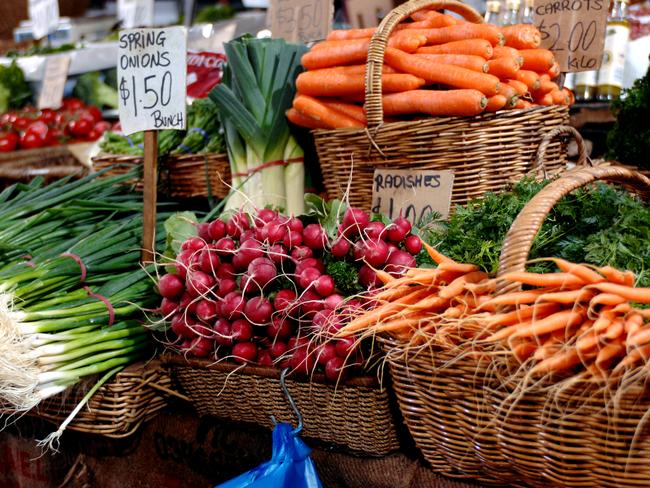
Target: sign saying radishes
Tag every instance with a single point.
(152, 79)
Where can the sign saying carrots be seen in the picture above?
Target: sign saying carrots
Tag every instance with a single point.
(412, 193)
(300, 20)
(574, 30)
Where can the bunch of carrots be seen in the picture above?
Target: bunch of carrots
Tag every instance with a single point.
(474, 67)
(582, 318)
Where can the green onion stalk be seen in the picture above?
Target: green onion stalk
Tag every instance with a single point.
(256, 90)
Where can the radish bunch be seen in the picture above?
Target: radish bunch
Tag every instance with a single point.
(256, 288)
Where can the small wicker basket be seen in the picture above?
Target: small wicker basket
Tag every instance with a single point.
(356, 414)
(466, 424)
(50, 163)
(187, 176)
(485, 152)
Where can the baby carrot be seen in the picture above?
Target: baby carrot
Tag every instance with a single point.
(476, 47)
(540, 60)
(568, 297)
(497, 102)
(583, 272)
(609, 352)
(457, 267)
(329, 82)
(530, 78)
(475, 63)
(514, 298)
(460, 32)
(633, 323)
(437, 256)
(606, 299)
(503, 68)
(435, 102)
(616, 276)
(522, 36)
(538, 311)
(457, 286)
(562, 280)
(639, 295)
(433, 72)
(310, 107)
(297, 118)
(558, 362)
(633, 357)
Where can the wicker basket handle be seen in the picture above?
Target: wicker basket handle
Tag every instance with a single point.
(539, 167)
(373, 104)
(519, 238)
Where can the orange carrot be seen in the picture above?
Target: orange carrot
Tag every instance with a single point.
(539, 60)
(334, 83)
(562, 280)
(609, 352)
(497, 102)
(475, 63)
(570, 96)
(558, 362)
(615, 329)
(568, 297)
(616, 276)
(522, 36)
(521, 314)
(476, 47)
(557, 321)
(421, 15)
(504, 68)
(582, 271)
(554, 71)
(546, 85)
(437, 256)
(506, 332)
(460, 32)
(347, 34)
(446, 74)
(587, 341)
(522, 104)
(520, 88)
(606, 299)
(310, 107)
(457, 267)
(360, 69)
(633, 357)
(510, 93)
(349, 109)
(432, 304)
(530, 78)
(639, 295)
(457, 286)
(545, 100)
(559, 97)
(297, 118)
(428, 20)
(633, 323)
(514, 298)
(435, 102)
(524, 350)
(507, 52)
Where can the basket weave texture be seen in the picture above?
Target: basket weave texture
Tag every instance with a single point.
(187, 176)
(51, 163)
(135, 395)
(485, 152)
(356, 414)
(468, 423)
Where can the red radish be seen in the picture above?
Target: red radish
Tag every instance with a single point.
(241, 330)
(308, 277)
(310, 263)
(400, 228)
(375, 231)
(321, 319)
(310, 303)
(226, 272)
(334, 324)
(345, 346)
(262, 271)
(375, 253)
(292, 238)
(206, 310)
(193, 244)
(303, 361)
(314, 237)
(199, 283)
(399, 262)
(325, 352)
(265, 216)
(226, 286)
(232, 229)
(277, 349)
(183, 263)
(264, 358)
(368, 277)
(324, 285)
(201, 347)
(296, 342)
(203, 231)
(258, 310)
(168, 307)
(225, 246)
(340, 248)
(295, 224)
(217, 229)
(246, 235)
(244, 352)
(247, 252)
(276, 232)
(335, 369)
(392, 247)
(222, 332)
(181, 327)
(301, 253)
(209, 261)
(280, 328)
(277, 253)
(232, 306)
(284, 299)
(171, 286)
(186, 300)
(413, 244)
(354, 221)
(333, 301)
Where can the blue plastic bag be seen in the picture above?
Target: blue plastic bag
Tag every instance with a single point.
(290, 465)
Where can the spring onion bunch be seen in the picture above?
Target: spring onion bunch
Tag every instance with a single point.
(256, 90)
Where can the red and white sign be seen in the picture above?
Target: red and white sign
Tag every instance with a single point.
(204, 72)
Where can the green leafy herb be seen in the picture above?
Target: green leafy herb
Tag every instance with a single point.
(14, 90)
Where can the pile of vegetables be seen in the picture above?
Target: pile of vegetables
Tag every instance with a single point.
(14, 90)
(256, 90)
(30, 128)
(271, 290)
(203, 135)
(435, 65)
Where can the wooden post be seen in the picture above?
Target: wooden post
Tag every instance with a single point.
(150, 195)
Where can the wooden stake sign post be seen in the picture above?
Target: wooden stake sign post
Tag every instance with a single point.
(151, 74)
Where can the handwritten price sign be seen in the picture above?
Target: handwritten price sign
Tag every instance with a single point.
(574, 30)
(300, 20)
(44, 15)
(135, 13)
(151, 79)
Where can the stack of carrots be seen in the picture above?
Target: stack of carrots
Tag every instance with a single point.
(434, 65)
(582, 318)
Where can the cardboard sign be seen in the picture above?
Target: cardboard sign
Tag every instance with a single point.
(300, 20)
(135, 13)
(56, 74)
(151, 73)
(44, 15)
(367, 13)
(204, 72)
(413, 193)
(574, 30)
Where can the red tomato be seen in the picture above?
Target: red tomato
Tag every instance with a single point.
(94, 112)
(93, 135)
(61, 119)
(29, 140)
(7, 118)
(8, 141)
(102, 126)
(39, 128)
(21, 123)
(55, 136)
(79, 128)
(48, 116)
(72, 104)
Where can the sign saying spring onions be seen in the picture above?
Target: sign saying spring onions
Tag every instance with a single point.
(256, 91)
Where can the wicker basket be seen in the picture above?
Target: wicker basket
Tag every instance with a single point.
(466, 424)
(135, 395)
(51, 163)
(188, 176)
(485, 152)
(356, 414)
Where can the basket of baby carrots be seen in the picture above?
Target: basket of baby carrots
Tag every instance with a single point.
(426, 90)
(535, 378)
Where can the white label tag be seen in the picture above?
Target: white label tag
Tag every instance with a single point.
(44, 15)
(56, 74)
(135, 13)
(300, 20)
(151, 72)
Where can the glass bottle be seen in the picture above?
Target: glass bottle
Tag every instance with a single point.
(527, 17)
(492, 12)
(586, 83)
(511, 15)
(569, 81)
(610, 75)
